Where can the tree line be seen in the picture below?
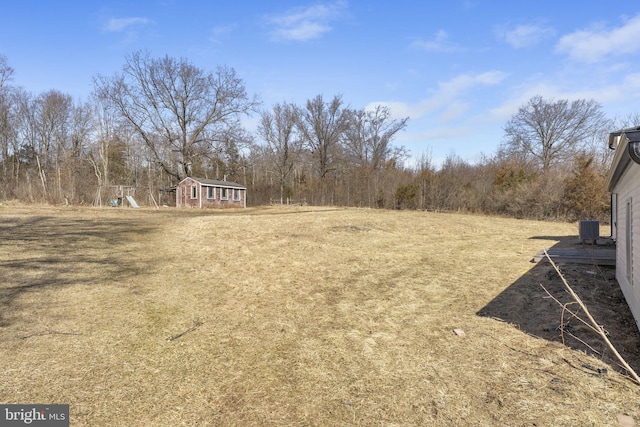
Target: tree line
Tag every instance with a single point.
(159, 120)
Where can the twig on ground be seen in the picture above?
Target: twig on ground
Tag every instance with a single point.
(597, 327)
(584, 343)
(196, 324)
(39, 334)
(573, 315)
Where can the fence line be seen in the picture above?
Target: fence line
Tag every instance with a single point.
(288, 201)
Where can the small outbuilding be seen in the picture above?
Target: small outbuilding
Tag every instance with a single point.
(623, 182)
(210, 193)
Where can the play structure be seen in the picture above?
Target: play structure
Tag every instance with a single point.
(117, 195)
(120, 196)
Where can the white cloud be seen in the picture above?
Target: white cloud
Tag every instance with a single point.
(446, 99)
(509, 107)
(598, 43)
(302, 31)
(398, 109)
(117, 25)
(436, 133)
(468, 5)
(453, 111)
(628, 88)
(217, 34)
(465, 81)
(302, 24)
(438, 43)
(524, 35)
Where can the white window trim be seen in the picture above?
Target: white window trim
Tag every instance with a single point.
(194, 192)
(224, 193)
(236, 194)
(211, 191)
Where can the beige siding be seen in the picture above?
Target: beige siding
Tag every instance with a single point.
(628, 276)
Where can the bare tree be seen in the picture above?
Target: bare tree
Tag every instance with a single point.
(53, 116)
(6, 130)
(625, 122)
(321, 125)
(52, 113)
(369, 135)
(6, 72)
(177, 109)
(80, 126)
(552, 131)
(230, 156)
(7, 125)
(26, 145)
(367, 140)
(278, 130)
(42, 131)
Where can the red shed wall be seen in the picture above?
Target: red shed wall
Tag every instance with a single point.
(184, 200)
(217, 202)
(183, 195)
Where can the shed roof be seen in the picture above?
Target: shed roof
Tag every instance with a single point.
(216, 182)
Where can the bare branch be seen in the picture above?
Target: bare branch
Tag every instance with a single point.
(179, 110)
(596, 326)
(553, 131)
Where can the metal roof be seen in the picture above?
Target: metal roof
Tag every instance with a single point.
(216, 183)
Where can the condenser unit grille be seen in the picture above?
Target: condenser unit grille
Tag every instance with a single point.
(589, 230)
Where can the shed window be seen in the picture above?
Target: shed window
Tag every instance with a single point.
(211, 192)
(236, 194)
(194, 191)
(224, 195)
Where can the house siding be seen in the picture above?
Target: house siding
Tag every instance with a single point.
(628, 276)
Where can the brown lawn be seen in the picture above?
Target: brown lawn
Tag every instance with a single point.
(302, 316)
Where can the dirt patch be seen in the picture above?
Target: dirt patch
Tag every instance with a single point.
(538, 304)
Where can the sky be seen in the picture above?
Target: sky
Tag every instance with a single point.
(459, 69)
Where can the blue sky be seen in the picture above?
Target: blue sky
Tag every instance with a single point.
(458, 69)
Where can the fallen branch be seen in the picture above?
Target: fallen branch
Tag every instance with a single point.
(573, 315)
(196, 325)
(562, 326)
(40, 334)
(599, 329)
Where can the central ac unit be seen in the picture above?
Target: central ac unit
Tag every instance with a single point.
(589, 230)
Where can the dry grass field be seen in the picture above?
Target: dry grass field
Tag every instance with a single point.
(301, 317)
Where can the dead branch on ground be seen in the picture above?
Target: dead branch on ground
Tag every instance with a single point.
(40, 334)
(196, 325)
(594, 325)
